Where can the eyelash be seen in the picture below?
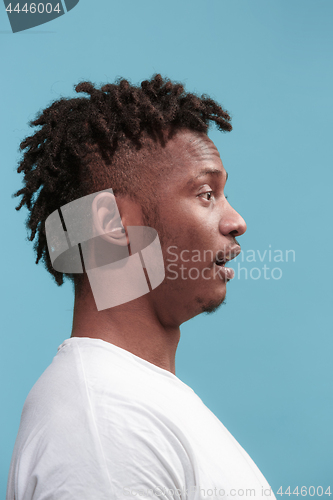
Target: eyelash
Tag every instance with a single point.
(207, 192)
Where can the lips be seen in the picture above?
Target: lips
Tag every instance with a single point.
(229, 254)
(222, 272)
(226, 272)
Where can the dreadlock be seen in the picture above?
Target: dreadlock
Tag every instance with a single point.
(89, 144)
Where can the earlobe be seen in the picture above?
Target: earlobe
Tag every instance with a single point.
(107, 220)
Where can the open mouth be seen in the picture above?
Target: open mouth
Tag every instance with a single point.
(222, 257)
(225, 273)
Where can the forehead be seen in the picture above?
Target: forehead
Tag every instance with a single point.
(190, 153)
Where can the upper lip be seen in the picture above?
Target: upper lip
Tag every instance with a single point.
(229, 254)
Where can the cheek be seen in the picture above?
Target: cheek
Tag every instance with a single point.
(181, 226)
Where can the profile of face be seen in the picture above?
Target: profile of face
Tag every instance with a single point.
(197, 228)
(193, 222)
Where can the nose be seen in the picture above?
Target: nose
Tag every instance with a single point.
(232, 222)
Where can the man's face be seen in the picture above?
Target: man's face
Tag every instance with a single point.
(197, 228)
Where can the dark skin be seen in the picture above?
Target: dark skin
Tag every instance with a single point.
(193, 215)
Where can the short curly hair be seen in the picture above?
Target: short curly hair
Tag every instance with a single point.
(88, 144)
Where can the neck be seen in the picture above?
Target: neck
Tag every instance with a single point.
(134, 326)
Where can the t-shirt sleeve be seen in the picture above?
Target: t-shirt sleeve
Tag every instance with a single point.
(96, 436)
(125, 451)
(144, 454)
(58, 459)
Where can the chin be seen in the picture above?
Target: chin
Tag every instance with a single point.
(210, 305)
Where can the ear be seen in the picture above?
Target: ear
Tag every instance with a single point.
(107, 220)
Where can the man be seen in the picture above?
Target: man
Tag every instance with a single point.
(109, 419)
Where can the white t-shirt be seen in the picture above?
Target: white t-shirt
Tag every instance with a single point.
(102, 423)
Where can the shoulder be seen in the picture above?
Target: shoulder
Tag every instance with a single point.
(97, 421)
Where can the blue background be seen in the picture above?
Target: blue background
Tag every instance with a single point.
(263, 362)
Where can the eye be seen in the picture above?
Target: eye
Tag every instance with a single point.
(208, 194)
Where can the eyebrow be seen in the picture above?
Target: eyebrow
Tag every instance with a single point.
(209, 171)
